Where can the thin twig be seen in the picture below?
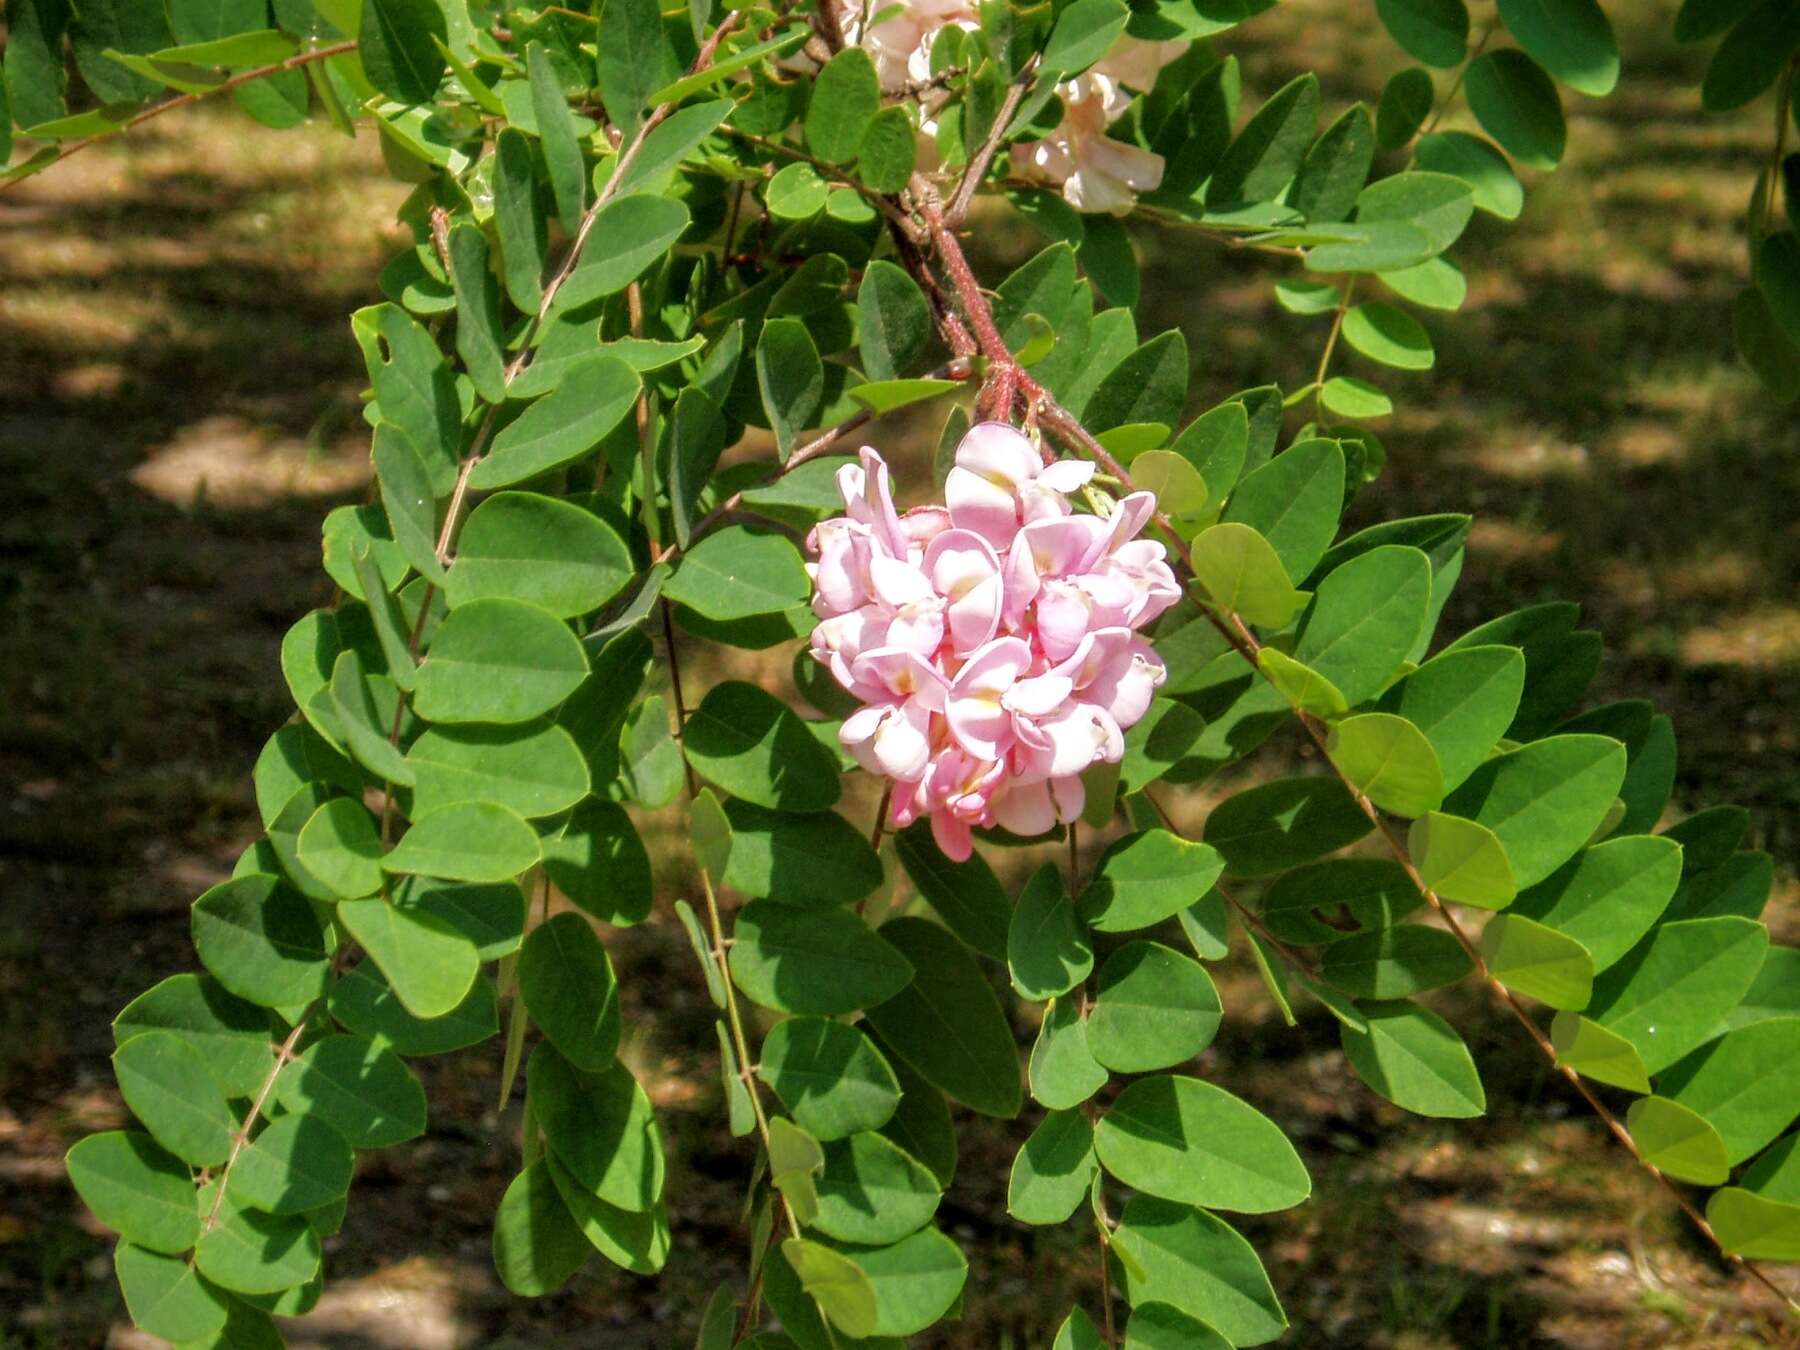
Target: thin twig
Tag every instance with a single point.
(283, 1053)
(294, 62)
(984, 155)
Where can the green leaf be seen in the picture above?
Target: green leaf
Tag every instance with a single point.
(471, 841)
(966, 895)
(1388, 335)
(842, 1290)
(635, 1242)
(557, 137)
(1516, 104)
(497, 660)
(259, 47)
(397, 49)
(136, 1188)
(599, 862)
(1303, 687)
(1048, 951)
(1750, 58)
(789, 375)
(518, 220)
(1405, 103)
(871, 1192)
(846, 95)
(480, 341)
(829, 1076)
(1754, 1227)
(1162, 1326)
(490, 916)
(1671, 992)
(565, 425)
(887, 396)
(568, 986)
(297, 1163)
(1175, 1254)
(339, 846)
(1433, 31)
(409, 499)
(947, 1022)
(1364, 619)
(1053, 1170)
(1078, 1332)
(1436, 205)
(551, 553)
(1281, 824)
(1463, 701)
(359, 1088)
(1765, 345)
(1532, 959)
(1294, 501)
(1297, 295)
(429, 964)
(817, 860)
(1590, 1049)
(1149, 385)
(1153, 1007)
(740, 572)
(893, 321)
(916, 1281)
(1187, 1140)
(1461, 860)
(796, 192)
(231, 1035)
(634, 61)
(1062, 1070)
(362, 1000)
(795, 1160)
(652, 759)
(1348, 396)
(1082, 35)
(1375, 892)
(1608, 896)
(629, 234)
(1241, 573)
(813, 961)
(533, 770)
(1335, 169)
(1678, 1141)
(1742, 1084)
(1388, 760)
(1266, 154)
(1571, 39)
(365, 708)
(537, 1243)
(668, 144)
(165, 1295)
(1416, 1060)
(749, 743)
(1435, 283)
(261, 941)
(1545, 800)
(1477, 163)
(251, 1252)
(1144, 878)
(1396, 962)
(889, 151)
(600, 1127)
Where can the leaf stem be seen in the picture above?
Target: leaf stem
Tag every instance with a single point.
(294, 62)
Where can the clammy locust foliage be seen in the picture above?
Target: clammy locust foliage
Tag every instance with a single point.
(644, 237)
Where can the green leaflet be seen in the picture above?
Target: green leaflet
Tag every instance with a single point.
(1184, 1139)
(1053, 1170)
(1416, 1060)
(1153, 1008)
(829, 1076)
(1144, 878)
(813, 961)
(947, 1022)
(1186, 1257)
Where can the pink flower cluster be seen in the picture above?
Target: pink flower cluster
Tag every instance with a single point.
(993, 640)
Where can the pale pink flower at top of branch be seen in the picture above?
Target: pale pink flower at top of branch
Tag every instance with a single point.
(1095, 172)
(994, 640)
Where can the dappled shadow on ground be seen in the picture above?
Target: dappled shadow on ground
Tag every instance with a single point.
(179, 407)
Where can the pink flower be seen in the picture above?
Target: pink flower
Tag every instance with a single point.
(1095, 172)
(993, 641)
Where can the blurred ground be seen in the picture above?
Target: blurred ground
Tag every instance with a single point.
(178, 409)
